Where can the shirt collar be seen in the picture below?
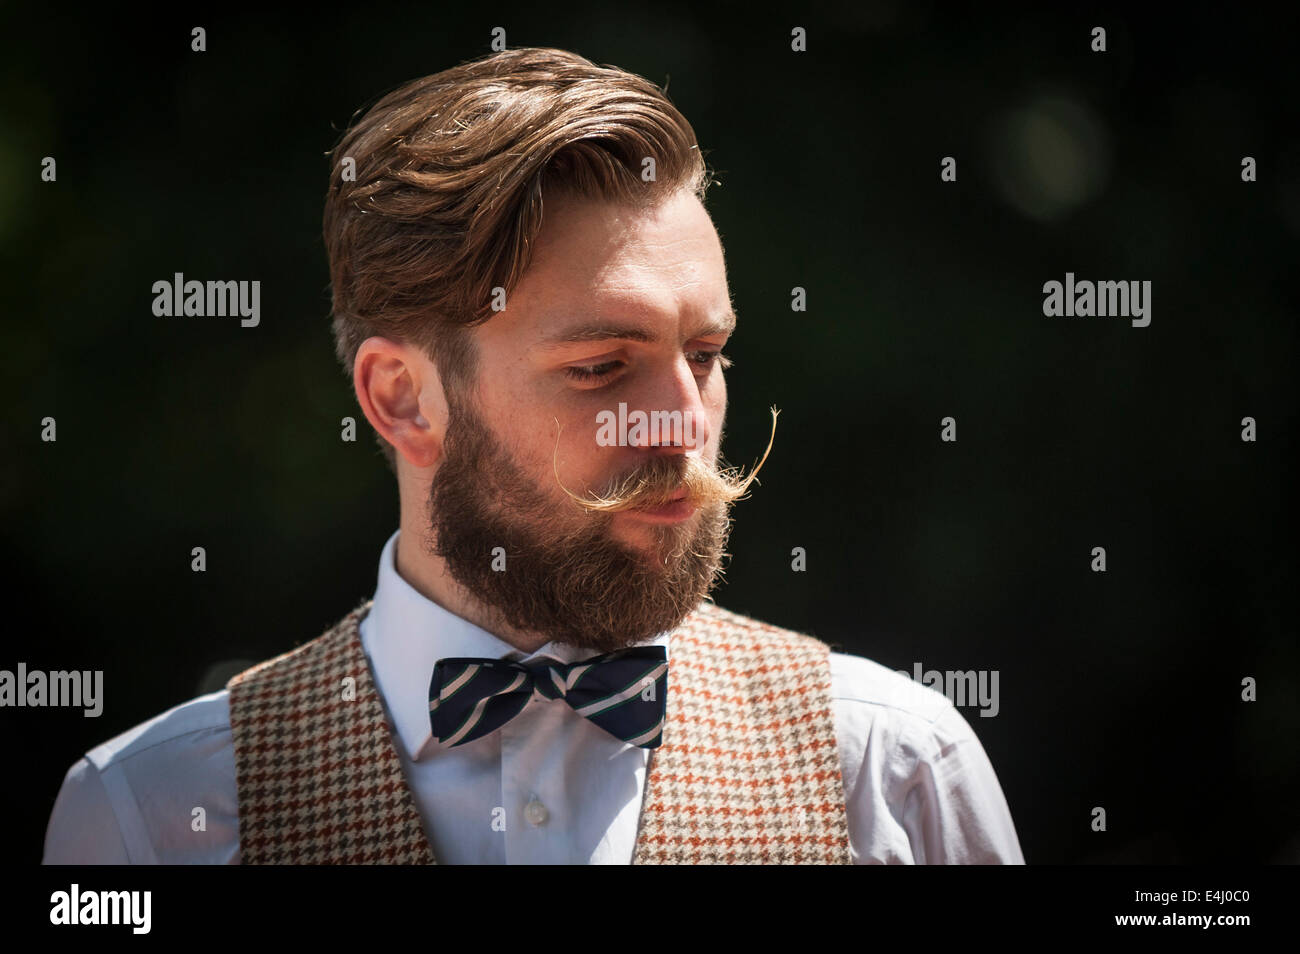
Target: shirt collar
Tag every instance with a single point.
(406, 633)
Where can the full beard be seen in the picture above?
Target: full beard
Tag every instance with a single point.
(564, 575)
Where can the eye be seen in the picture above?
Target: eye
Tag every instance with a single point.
(593, 372)
(706, 359)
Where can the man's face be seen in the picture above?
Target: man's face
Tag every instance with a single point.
(617, 307)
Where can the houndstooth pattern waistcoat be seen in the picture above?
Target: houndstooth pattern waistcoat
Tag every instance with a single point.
(748, 772)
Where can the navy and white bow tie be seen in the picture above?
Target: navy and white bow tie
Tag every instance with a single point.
(623, 692)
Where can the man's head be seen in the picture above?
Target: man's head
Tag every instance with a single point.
(487, 341)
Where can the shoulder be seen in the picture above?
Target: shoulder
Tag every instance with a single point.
(860, 681)
(175, 728)
(126, 800)
(908, 722)
(136, 797)
(918, 783)
(890, 723)
(856, 682)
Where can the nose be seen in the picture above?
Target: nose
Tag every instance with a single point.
(678, 422)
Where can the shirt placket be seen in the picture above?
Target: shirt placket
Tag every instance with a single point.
(532, 746)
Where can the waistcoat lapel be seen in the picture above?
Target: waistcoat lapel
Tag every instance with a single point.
(318, 776)
(748, 771)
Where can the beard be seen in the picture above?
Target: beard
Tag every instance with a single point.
(564, 574)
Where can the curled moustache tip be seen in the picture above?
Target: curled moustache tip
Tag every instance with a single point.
(744, 487)
(555, 465)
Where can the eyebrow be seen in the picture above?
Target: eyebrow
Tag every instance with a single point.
(606, 330)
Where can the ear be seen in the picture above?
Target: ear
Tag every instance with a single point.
(401, 394)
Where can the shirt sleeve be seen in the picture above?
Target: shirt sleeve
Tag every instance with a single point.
(83, 828)
(925, 792)
(954, 811)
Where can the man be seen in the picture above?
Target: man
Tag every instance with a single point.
(531, 302)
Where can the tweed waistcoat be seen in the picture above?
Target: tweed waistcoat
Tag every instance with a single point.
(748, 771)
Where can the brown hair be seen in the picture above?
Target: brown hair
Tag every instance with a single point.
(449, 176)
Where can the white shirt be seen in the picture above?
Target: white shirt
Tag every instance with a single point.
(918, 785)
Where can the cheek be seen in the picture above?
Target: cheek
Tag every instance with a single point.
(581, 455)
(716, 401)
(575, 455)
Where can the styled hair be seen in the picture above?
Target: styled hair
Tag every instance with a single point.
(435, 194)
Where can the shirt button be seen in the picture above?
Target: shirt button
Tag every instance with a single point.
(536, 812)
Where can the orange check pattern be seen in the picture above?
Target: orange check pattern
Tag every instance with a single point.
(748, 772)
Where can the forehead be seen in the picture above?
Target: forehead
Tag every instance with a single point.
(599, 259)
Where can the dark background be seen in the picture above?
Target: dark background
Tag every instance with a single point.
(1119, 690)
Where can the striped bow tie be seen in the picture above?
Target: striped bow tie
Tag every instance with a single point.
(622, 692)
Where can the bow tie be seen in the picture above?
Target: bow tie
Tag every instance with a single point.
(622, 692)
